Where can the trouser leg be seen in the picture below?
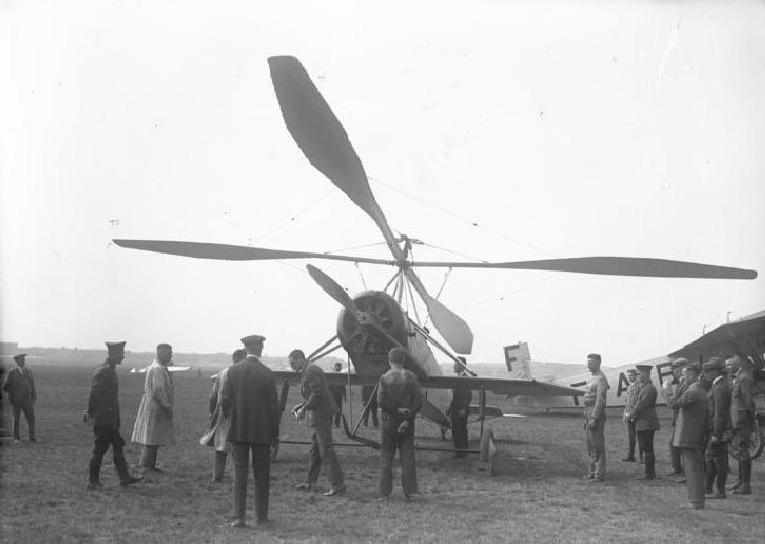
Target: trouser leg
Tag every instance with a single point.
(261, 470)
(387, 451)
(645, 440)
(323, 434)
(459, 432)
(710, 472)
(149, 456)
(29, 413)
(631, 436)
(693, 462)
(99, 449)
(745, 475)
(596, 449)
(408, 471)
(721, 466)
(674, 456)
(16, 417)
(219, 465)
(120, 464)
(314, 453)
(241, 454)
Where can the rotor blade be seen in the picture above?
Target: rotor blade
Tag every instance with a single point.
(615, 266)
(323, 139)
(209, 250)
(452, 328)
(332, 288)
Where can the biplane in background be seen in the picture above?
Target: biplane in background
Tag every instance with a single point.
(373, 322)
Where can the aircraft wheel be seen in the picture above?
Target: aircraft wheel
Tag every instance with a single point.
(488, 448)
(756, 444)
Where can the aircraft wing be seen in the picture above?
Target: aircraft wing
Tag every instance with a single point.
(333, 379)
(746, 336)
(172, 369)
(502, 386)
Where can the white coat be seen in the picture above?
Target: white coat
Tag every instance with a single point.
(154, 421)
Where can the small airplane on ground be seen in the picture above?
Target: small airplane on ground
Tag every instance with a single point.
(373, 322)
(171, 368)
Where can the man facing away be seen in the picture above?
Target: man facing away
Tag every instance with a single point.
(216, 436)
(459, 408)
(320, 407)
(742, 411)
(672, 392)
(629, 403)
(20, 386)
(338, 394)
(400, 398)
(644, 419)
(718, 423)
(104, 411)
(595, 419)
(154, 422)
(690, 434)
(250, 403)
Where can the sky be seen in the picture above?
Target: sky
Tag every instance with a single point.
(490, 130)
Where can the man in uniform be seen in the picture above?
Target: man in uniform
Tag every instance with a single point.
(20, 386)
(400, 398)
(104, 411)
(216, 436)
(644, 419)
(690, 434)
(458, 410)
(718, 423)
(320, 407)
(742, 421)
(250, 403)
(672, 392)
(595, 419)
(629, 403)
(338, 394)
(154, 422)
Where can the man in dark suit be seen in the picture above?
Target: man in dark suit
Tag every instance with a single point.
(400, 398)
(690, 434)
(459, 408)
(643, 417)
(320, 406)
(338, 394)
(718, 423)
(250, 403)
(104, 411)
(20, 386)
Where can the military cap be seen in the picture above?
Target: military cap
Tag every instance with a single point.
(253, 339)
(644, 367)
(164, 346)
(594, 356)
(19, 357)
(713, 364)
(116, 347)
(680, 362)
(632, 371)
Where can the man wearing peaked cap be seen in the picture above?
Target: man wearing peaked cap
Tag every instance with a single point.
(671, 393)
(20, 386)
(104, 411)
(629, 403)
(645, 420)
(718, 419)
(253, 339)
(690, 434)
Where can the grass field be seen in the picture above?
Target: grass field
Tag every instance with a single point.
(536, 495)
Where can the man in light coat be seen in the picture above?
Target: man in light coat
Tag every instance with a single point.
(629, 403)
(672, 390)
(20, 386)
(595, 419)
(690, 435)
(644, 419)
(742, 412)
(154, 422)
(216, 435)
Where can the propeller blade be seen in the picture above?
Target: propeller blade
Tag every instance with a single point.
(452, 328)
(332, 288)
(614, 266)
(323, 140)
(209, 250)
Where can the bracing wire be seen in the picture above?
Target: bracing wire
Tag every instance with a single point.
(441, 289)
(294, 216)
(361, 275)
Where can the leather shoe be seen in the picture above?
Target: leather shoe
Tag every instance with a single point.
(130, 480)
(95, 485)
(335, 491)
(716, 496)
(303, 486)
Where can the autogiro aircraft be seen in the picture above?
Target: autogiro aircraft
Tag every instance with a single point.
(373, 322)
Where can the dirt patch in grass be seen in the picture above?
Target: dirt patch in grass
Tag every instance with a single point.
(536, 495)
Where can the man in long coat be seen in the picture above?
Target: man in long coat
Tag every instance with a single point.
(643, 417)
(104, 411)
(672, 392)
(718, 424)
(690, 435)
(320, 406)
(400, 398)
(216, 435)
(251, 404)
(154, 422)
(595, 419)
(742, 411)
(20, 385)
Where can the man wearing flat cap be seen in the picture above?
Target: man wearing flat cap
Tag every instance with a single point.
(718, 426)
(672, 392)
(690, 434)
(644, 419)
(104, 411)
(742, 415)
(20, 386)
(630, 398)
(154, 426)
(595, 419)
(251, 405)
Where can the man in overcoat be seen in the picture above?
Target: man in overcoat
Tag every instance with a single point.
(104, 411)
(718, 426)
(742, 420)
(643, 417)
(251, 404)
(630, 398)
(154, 425)
(20, 385)
(672, 392)
(690, 434)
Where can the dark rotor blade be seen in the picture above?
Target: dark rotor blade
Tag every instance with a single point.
(322, 138)
(615, 266)
(230, 252)
(332, 288)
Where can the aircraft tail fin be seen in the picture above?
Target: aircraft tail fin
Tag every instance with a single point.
(517, 360)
